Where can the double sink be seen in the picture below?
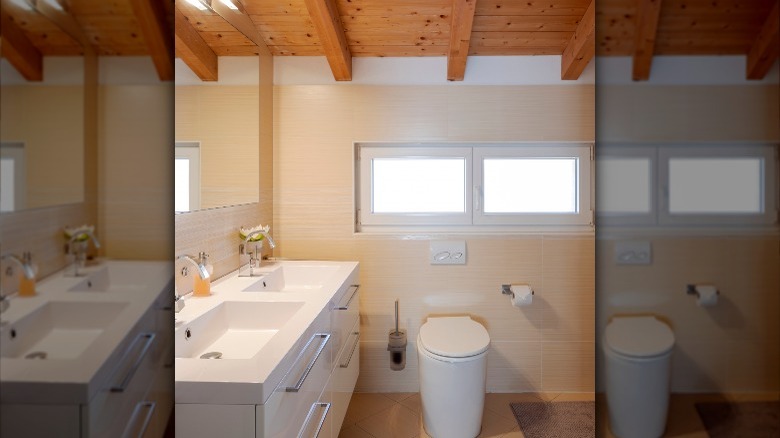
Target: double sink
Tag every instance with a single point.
(71, 334)
(234, 346)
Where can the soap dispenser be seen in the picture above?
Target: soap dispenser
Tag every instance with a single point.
(202, 286)
(27, 282)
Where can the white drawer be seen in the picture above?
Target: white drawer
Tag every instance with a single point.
(344, 314)
(112, 409)
(345, 374)
(284, 413)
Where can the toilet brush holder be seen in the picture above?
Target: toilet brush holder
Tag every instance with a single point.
(396, 345)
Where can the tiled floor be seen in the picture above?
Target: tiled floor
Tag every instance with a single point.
(398, 415)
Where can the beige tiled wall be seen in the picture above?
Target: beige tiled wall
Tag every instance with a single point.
(49, 120)
(735, 346)
(135, 207)
(732, 347)
(547, 346)
(224, 120)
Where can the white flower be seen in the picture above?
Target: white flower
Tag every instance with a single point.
(243, 232)
(82, 232)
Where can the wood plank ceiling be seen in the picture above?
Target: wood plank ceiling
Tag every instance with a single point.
(342, 29)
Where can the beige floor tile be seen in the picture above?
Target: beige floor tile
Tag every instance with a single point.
(575, 397)
(499, 402)
(546, 396)
(399, 396)
(495, 425)
(514, 433)
(354, 432)
(365, 404)
(414, 403)
(395, 422)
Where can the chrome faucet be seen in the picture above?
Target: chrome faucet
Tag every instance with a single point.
(256, 256)
(200, 268)
(77, 248)
(25, 265)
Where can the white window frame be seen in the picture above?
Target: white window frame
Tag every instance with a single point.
(661, 155)
(651, 154)
(473, 219)
(583, 211)
(15, 152)
(191, 151)
(368, 154)
(769, 176)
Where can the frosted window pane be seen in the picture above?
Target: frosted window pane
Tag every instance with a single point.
(182, 184)
(623, 185)
(419, 185)
(715, 185)
(530, 185)
(7, 185)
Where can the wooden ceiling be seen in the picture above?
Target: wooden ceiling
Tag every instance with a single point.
(341, 29)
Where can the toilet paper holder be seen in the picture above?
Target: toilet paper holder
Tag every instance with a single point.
(506, 289)
(690, 289)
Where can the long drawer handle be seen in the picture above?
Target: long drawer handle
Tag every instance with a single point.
(325, 337)
(354, 288)
(149, 406)
(148, 338)
(325, 408)
(351, 350)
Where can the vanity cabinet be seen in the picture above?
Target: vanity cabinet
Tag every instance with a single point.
(312, 398)
(135, 395)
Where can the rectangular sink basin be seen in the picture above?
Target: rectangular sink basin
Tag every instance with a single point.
(234, 329)
(297, 277)
(108, 279)
(58, 330)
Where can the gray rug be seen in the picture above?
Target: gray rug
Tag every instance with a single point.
(741, 420)
(556, 420)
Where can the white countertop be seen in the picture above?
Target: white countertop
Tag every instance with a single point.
(252, 380)
(136, 284)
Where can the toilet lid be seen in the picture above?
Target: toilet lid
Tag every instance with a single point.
(639, 336)
(458, 336)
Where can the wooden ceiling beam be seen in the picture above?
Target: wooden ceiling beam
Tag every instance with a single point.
(648, 12)
(18, 49)
(327, 20)
(764, 50)
(581, 47)
(460, 38)
(240, 19)
(191, 48)
(154, 27)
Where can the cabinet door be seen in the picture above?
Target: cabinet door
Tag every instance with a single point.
(235, 421)
(345, 374)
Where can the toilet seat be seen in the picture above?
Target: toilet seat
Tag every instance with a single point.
(448, 338)
(638, 337)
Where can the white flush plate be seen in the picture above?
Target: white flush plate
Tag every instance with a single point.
(633, 253)
(448, 252)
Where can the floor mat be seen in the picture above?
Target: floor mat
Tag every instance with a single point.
(740, 420)
(556, 420)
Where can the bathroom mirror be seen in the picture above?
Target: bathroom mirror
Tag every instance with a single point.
(42, 135)
(217, 135)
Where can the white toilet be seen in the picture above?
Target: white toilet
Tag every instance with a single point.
(638, 352)
(452, 356)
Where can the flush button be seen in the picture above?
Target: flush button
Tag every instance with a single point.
(447, 252)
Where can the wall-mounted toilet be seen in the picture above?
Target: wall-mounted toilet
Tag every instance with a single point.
(638, 352)
(452, 356)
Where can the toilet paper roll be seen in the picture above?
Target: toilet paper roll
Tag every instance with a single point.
(707, 295)
(522, 295)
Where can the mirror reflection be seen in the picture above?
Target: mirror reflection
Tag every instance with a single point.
(42, 135)
(217, 136)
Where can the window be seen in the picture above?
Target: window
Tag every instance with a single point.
(186, 176)
(12, 177)
(446, 186)
(691, 185)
